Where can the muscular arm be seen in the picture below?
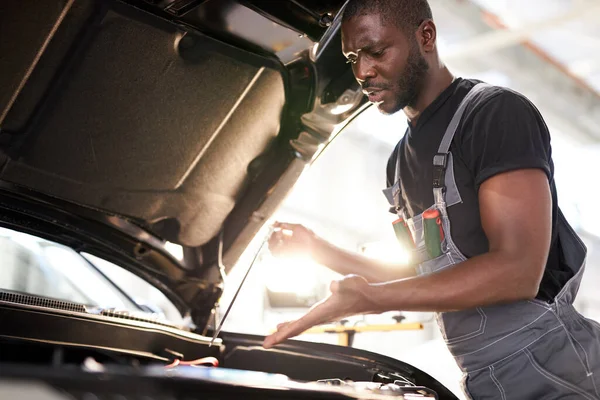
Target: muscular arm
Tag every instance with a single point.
(516, 214)
(506, 147)
(293, 240)
(350, 263)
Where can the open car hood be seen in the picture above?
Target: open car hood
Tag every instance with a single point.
(125, 125)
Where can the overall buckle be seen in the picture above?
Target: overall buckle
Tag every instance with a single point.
(440, 162)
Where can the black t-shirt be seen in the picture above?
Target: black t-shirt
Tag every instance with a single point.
(501, 131)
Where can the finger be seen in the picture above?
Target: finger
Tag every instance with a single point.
(283, 324)
(270, 341)
(286, 331)
(351, 283)
(334, 286)
(276, 239)
(283, 332)
(286, 226)
(276, 236)
(316, 316)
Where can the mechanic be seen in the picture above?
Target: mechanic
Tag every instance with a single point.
(472, 184)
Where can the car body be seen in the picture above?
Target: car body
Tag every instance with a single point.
(128, 126)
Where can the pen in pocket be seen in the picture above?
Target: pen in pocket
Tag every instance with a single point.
(434, 232)
(403, 234)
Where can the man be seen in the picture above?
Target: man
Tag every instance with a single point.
(472, 184)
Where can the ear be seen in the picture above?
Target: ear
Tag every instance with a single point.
(427, 36)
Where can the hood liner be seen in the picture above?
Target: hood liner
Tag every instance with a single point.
(128, 126)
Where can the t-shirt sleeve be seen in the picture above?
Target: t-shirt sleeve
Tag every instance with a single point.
(505, 133)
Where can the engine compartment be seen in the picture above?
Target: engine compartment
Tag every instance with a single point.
(77, 373)
(73, 355)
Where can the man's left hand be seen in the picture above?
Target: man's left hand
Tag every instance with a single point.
(349, 296)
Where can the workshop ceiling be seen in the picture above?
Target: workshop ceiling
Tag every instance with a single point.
(547, 49)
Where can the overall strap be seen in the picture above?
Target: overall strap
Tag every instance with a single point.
(440, 160)
(402, 210)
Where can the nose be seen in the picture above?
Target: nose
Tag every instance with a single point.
(363, 70)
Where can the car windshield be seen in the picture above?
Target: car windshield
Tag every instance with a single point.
(35, 266)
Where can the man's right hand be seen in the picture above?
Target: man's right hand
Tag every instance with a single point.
(290, 240)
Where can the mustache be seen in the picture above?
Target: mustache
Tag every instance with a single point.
(369, 85)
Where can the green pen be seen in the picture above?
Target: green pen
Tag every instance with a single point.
(403, 234)
(434, 233)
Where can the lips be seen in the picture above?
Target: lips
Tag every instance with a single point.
(374, 95)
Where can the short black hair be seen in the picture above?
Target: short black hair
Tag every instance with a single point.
(406, 14)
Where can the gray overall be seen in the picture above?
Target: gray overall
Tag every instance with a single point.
(524, 350)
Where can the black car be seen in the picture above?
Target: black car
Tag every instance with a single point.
(128, 125)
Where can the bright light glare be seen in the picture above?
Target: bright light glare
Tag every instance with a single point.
(341, 108)
(175, 250)
(291, 275)
(391, 252)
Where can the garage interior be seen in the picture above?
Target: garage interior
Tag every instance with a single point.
(548, 50)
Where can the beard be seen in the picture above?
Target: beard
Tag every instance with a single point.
(411, 82)
(407, 89)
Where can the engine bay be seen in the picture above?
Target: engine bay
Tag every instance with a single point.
(66, 354)
(81, 373)
(68, 373)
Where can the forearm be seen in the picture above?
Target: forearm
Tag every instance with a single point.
(348, 263)
(492, 278)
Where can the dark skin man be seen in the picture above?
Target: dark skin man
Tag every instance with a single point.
(515, 206)
(472, 181)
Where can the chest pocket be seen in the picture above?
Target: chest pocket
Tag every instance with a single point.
(393, 195)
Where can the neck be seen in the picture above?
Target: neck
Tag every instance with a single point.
(433, 86)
